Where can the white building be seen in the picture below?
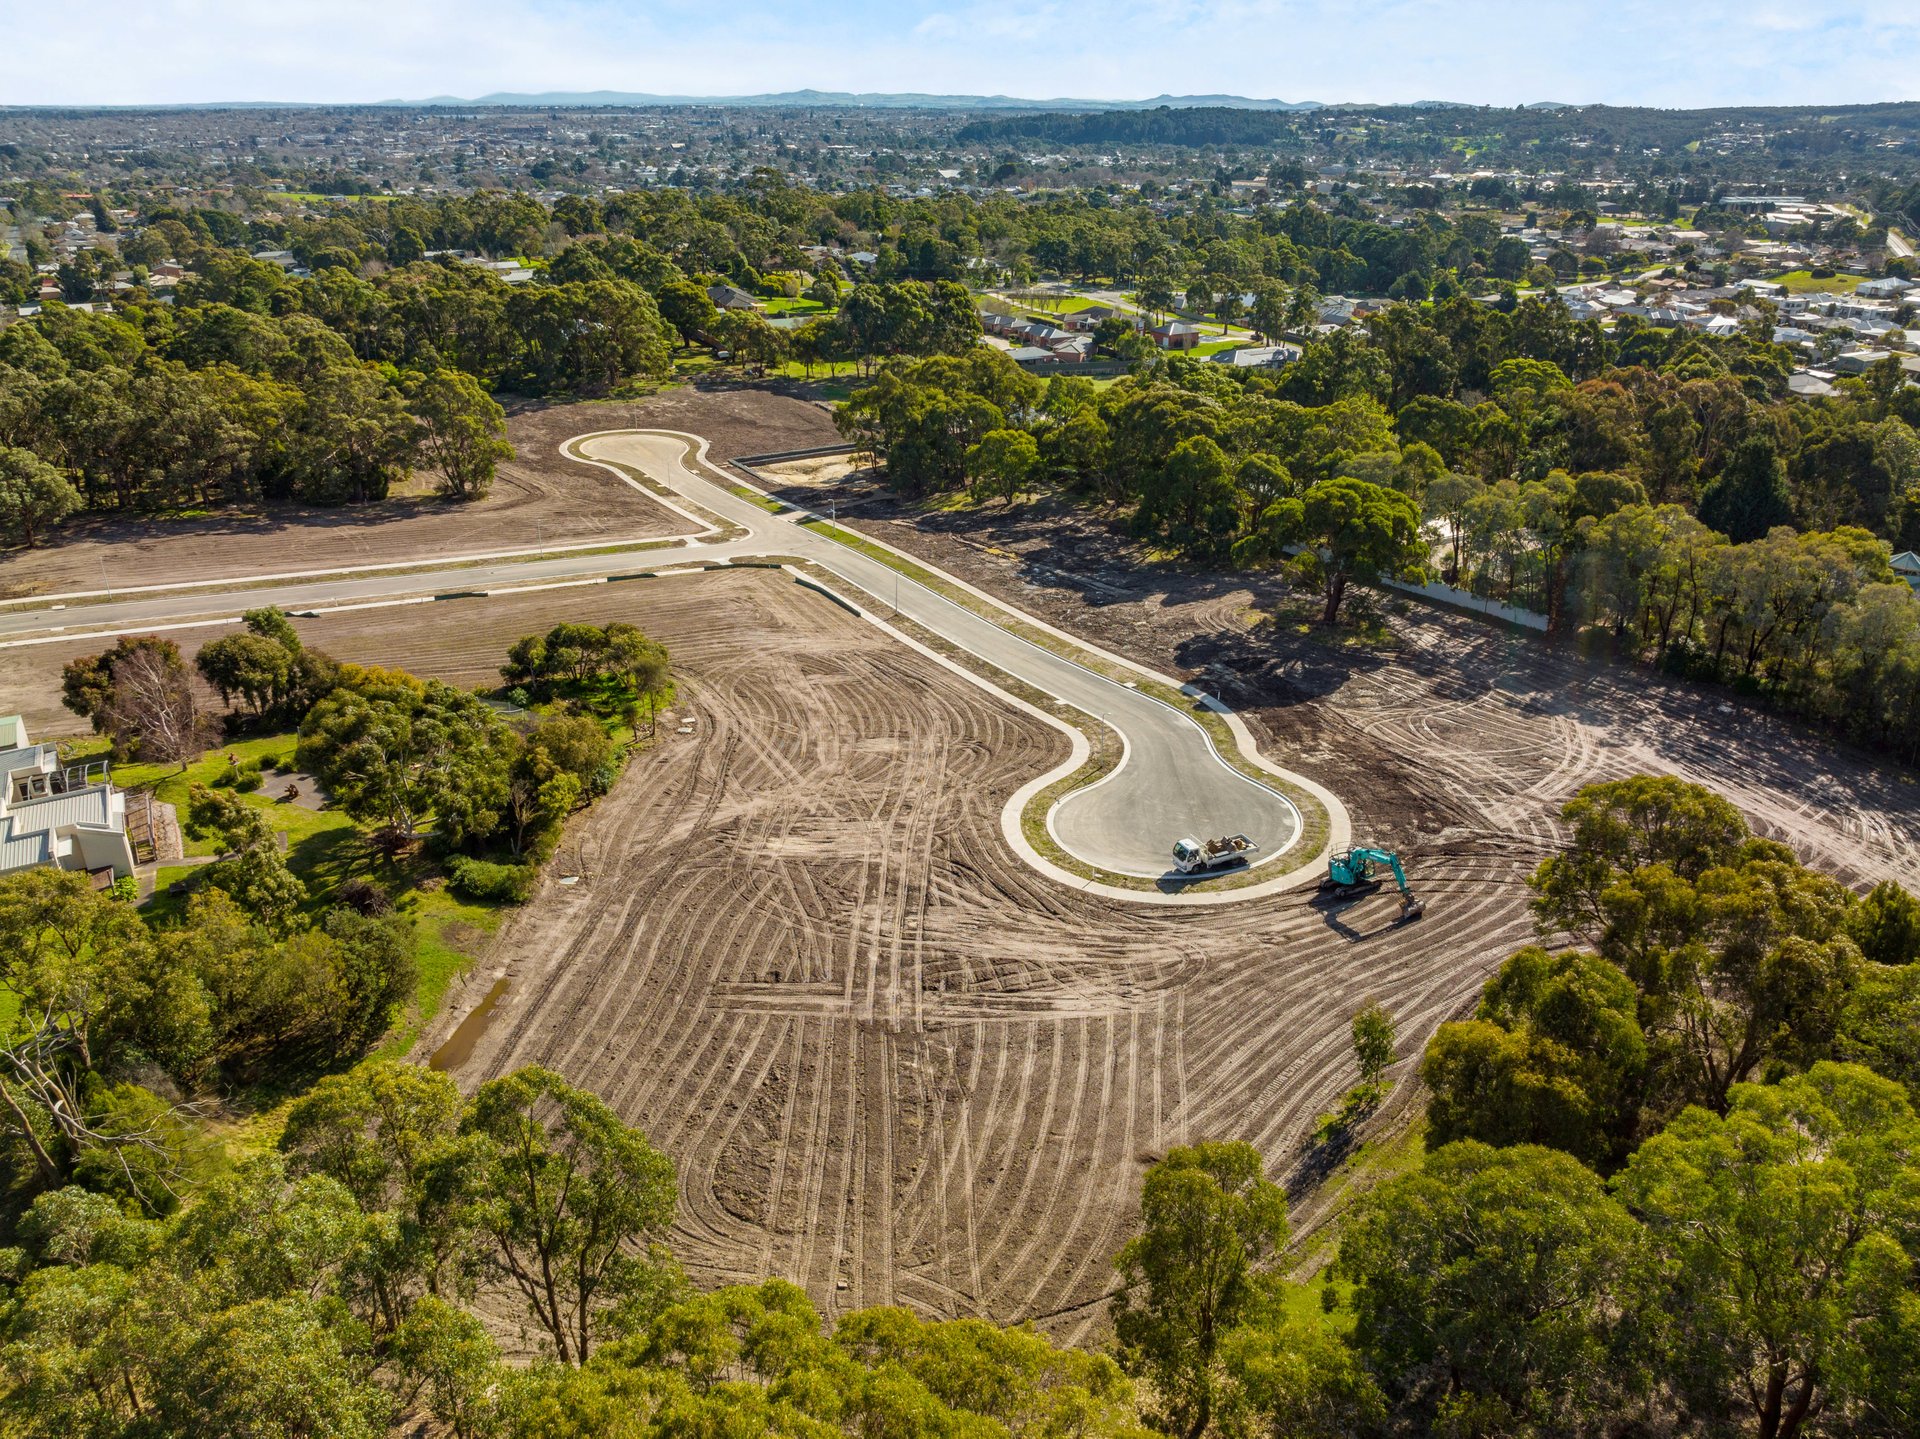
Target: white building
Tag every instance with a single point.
(69, 816)
(1890, 288)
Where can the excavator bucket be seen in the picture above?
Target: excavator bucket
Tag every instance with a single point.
(1411, 907)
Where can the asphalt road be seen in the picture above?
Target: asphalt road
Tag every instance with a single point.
(1169, 785)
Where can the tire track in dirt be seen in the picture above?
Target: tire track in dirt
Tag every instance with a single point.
(885, 1053)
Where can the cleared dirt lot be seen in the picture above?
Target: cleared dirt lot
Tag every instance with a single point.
(1464, 733)
(895, 1065)
(892, 1063)
(538, 499)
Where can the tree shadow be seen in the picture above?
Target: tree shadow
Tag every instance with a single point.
(1249, 668)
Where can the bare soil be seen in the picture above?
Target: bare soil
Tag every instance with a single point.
(895, 1065)
(538, 499)
(1455, 730)
(892, 1063)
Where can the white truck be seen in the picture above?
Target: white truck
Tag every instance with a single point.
(1196, 856)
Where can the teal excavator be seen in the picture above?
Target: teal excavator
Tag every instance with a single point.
(1352, 870)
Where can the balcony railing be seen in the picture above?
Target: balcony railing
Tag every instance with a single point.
(68, 780)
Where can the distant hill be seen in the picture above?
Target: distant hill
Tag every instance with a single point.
(872, 100)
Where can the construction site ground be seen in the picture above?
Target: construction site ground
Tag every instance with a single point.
(896, 1065)
(538, 499)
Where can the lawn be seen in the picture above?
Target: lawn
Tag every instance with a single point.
(1373, 1163)
(1215, 347)
(1047, 304)
(1802, 282)
(843, 370)
(325, 848)
(800, 306)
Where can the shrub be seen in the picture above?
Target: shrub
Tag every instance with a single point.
(499, 883)
(126, 888)
(365, 897)
(241, 778)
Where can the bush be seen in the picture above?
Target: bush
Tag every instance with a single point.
(499, 883)
(365, 897)
(243, 779)
(126, 888)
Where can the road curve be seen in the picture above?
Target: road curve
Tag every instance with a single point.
(1170, 782)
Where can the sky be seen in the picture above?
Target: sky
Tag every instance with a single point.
(1502, 52)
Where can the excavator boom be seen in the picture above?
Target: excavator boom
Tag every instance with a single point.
(1353, 869)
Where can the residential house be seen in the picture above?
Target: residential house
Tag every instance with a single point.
(1858, 362)
(511, 271)
(729, 297)
(1811, 384)
(1088, 319)
(1335, 310)
(1258, 357)
(1906, 565)
(68, 816)
(1890, 288)
(1039, 332)
(1175, 335)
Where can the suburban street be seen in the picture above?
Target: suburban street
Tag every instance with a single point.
(1170, 783)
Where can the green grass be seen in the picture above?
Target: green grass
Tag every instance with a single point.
(1046, 304)
(838, 369)
(1369, 1166)
(1802, 282)
(801, 306)
(326, 848)
(1215, 347)
(755, 498)
(448, 928)
(165, 903)
(313, 836)
(1302, 1304)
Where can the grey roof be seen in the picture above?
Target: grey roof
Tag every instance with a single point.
(27, 829)
(31, 756)
(1253, 356)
